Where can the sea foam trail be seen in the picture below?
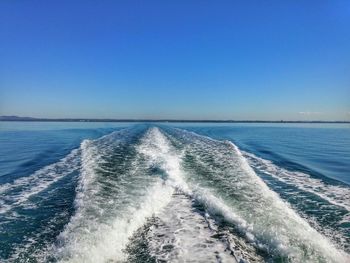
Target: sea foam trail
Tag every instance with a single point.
(182, 233)
(126, 179)
(325, 205)
(335, 194)
(18, 192)
(227, 186)
(105, 220)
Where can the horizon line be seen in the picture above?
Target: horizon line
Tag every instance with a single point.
(33, 119)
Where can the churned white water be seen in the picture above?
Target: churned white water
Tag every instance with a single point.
(207, 203)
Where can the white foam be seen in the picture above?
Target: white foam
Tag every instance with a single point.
(17, 193)
(184, 235)
(156, 146)
(89, 241)
(335, 194)
(185, 231)
(97, 235)
(265, 219)
(90, 238)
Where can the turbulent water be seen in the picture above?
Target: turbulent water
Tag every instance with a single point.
(162, 194)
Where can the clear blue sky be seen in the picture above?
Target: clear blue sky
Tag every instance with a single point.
(266, 60)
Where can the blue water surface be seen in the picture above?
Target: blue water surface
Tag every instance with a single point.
(320, 149)
(34, 213)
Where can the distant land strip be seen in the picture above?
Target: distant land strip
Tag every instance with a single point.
(18, 118)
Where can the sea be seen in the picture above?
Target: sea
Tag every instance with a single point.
(174, 192)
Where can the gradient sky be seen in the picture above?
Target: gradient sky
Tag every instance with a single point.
(266, 60)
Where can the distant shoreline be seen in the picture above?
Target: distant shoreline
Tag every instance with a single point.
(30, 119)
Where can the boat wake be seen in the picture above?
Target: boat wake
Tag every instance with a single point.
(169, 195)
